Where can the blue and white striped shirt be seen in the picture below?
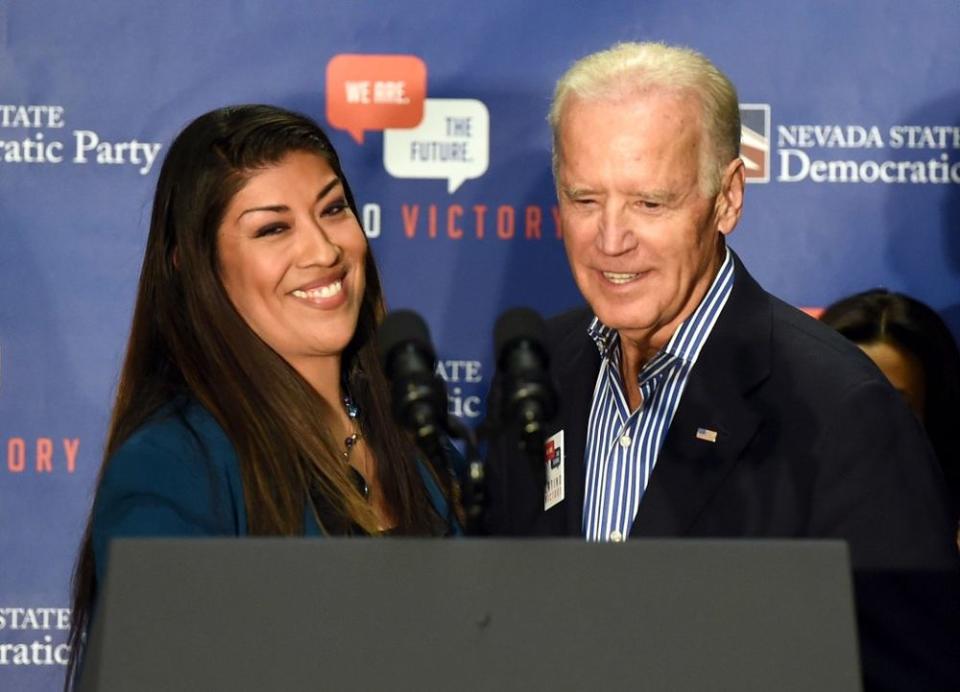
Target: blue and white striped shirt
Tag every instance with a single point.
(622, 447)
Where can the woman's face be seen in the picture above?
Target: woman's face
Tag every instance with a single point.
(292, 260)
(903, 370)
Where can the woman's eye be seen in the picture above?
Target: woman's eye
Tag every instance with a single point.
(272, 229)
(336, 207)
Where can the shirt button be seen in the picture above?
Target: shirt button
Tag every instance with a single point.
(616, 536)
(625, 441)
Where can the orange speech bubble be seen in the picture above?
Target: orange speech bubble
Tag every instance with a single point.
(373, 92)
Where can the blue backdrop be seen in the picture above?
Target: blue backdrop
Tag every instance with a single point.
(853, 112)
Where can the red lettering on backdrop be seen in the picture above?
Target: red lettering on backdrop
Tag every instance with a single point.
(454, 213)
(70, 448)
(16, 455)
(410, 213)
(534, 218)
(480, 210)
(506, 222)
(44, 455)
(556, 220)
(432, 221)
(45, 459)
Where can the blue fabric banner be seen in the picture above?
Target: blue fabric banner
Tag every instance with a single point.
(852, 138)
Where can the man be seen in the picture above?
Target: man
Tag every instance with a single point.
(693, 403)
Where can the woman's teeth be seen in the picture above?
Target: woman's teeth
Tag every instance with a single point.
(327, 291)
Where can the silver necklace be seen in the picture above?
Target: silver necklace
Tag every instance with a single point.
(351, 440)
(353, 412)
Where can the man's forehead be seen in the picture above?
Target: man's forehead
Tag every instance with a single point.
(641, 126)
(660, 116)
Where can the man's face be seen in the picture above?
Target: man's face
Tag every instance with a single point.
(641, 237)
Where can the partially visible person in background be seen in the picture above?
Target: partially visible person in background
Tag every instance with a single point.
(913, 347)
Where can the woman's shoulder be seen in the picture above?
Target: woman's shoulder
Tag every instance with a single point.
(177, 474)
(181, 428)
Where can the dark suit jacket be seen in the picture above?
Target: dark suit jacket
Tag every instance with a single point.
(812, 441)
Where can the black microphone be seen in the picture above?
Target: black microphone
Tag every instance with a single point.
(418, 395)
(419, 398)
(528, 399)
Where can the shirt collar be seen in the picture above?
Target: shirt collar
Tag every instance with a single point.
(603, 336)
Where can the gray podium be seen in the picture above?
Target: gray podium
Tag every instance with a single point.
(405, 614)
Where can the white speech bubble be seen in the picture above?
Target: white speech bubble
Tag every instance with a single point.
(452, 142)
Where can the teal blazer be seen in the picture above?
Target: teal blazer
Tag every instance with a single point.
(179, 476)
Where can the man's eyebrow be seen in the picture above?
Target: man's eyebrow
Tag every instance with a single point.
(279, 208)
(574, 192)
(658, 196)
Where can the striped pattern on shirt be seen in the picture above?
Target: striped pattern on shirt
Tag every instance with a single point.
(622, 447)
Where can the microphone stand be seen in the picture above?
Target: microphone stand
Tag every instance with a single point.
(474, 486)
(425, 401)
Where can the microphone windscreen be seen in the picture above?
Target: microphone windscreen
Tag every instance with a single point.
(403, 327)
(516, 325)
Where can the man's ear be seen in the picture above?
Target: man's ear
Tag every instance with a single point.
(730, 198)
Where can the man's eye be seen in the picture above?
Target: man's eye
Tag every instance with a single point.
(651, 205)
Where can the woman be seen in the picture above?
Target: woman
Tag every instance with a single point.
(913, 347)
(251, 400)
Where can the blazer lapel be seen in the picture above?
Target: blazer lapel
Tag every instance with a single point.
(693, 462)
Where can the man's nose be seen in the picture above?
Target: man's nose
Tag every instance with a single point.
(616, 234)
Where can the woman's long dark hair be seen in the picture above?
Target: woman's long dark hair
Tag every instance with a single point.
(879, 315)
(188, 341)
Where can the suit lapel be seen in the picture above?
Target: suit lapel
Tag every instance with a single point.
(576, 412)
(576, 363)
(691, 467)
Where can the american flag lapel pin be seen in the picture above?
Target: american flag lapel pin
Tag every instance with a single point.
(706, 435)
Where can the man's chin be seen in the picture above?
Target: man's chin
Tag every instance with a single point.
(622, 319)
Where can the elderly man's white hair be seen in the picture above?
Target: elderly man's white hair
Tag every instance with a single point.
(619, 72)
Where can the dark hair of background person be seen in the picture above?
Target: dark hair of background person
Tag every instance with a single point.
(188, 341)
(879, 315)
